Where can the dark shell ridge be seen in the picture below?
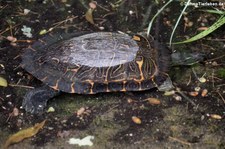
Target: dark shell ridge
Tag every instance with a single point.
(89, 63)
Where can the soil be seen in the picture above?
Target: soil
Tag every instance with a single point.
(120, 119)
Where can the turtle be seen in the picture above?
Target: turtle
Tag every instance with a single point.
(93, 62)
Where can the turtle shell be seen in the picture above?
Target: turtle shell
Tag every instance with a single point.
(88, 63)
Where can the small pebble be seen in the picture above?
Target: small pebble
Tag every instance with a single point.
(202, 80)
(131, 12)
(169, 93)
(197, 89)
(153, 101)
(15, 111)
(93, 4)
(190, 24)
(193, 93)
(136, 38)
(13, 44)
(11, 38)
(177, 97)
(136, 120)
(26, 11)
(80, 111)
(214, 63)
(216, 116)
(129, 100)
(101, 28)
(204, 92)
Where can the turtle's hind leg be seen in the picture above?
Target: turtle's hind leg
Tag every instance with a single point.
(36, 100)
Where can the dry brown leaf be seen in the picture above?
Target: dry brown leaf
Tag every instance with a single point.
(23, 134)
(89, 16)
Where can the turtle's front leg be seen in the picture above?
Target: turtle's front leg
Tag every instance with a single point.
(36, 100)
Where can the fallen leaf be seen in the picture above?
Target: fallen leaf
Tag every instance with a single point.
(23, 134)
(3, 82)
(89, 16)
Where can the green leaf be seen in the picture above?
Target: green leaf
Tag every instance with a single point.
(214, 11)
(212, 28)
(3, 82)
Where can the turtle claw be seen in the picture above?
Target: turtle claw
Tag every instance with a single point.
(36, 100)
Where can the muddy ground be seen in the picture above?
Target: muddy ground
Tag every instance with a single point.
(116, 120)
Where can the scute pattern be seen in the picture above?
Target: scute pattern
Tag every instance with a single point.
(53, 64)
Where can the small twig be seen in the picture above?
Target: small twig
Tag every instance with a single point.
(9, 28)
(220, 85)
(213, 82)
(219, 57)
(2, 99)
(189, 81)
(4, 7)
(108, 14)
(23, 86)
(59, 23)
(16, 56)
(195, 74)
(180, 141)
(53, 3)
(103, 8)
(215, 39)
(185, 97)
(27, 41)
(221, 96)
(18, 82)
(208, 47)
